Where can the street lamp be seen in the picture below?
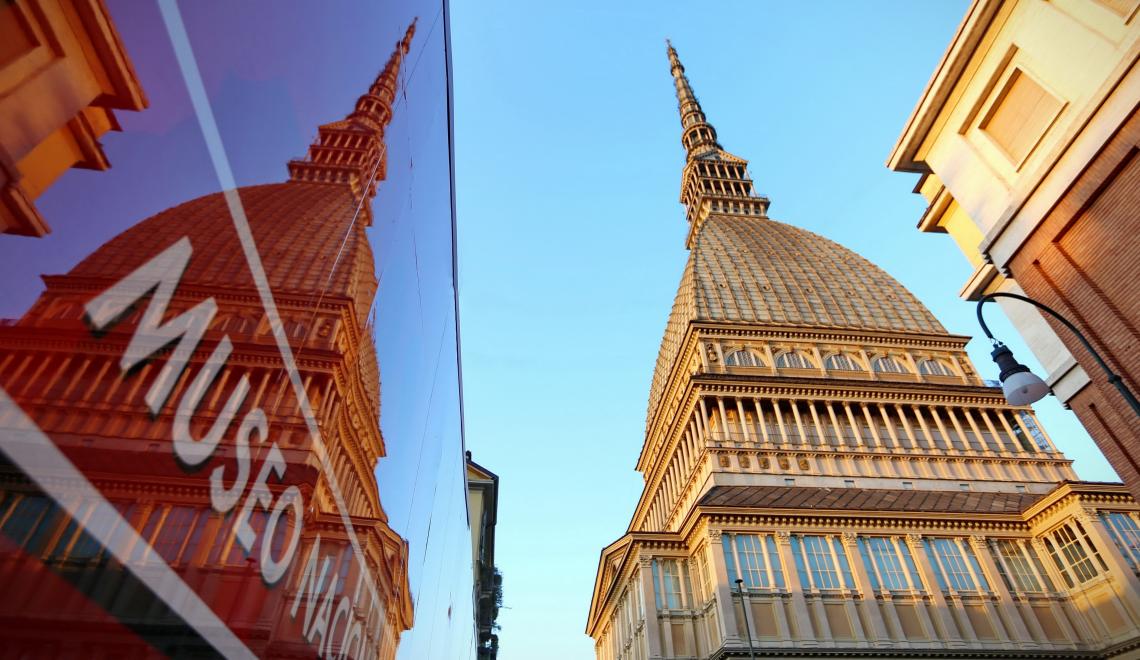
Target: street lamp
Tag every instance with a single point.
(1019, 385)
(747, 628)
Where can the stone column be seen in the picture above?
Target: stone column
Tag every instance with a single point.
(891, 431)
(649, 600)
(743, 420)
(944, 622)
(872, 427)
(906, 427)
(859, 441)
(804, 634)
(726, 433)
(841, 442)
(726, 613)
(868, 601)
(760, 421)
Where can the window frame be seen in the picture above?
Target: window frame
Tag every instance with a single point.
(730, 359)
(782, 357)
(768, 575)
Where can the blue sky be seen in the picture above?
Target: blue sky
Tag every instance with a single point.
(568, 161)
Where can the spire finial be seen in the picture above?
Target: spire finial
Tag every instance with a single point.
(352, 151)
(697, 135)
(713, 180)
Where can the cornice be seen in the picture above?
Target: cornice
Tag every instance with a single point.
(838, 389)
(719, 329)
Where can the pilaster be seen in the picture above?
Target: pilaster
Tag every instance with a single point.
(944, 623)
(649, 600)
(804, 633)
(1009, 613)
(869, 601)
(726, 614)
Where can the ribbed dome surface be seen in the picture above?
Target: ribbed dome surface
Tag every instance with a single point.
(299, 229)
(758, 271)
(305, 235)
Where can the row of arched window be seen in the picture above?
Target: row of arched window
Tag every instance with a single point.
(795, 359)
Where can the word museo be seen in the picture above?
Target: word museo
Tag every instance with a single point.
(161, 275)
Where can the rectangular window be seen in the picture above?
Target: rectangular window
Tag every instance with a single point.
(1015, 565)
(671, 579)
(1073, 553)
(1126, 534)
(955, 565)
(752, 558)
(174, 532)
(1022, 113)
(889, 564)
(670, 584)
(821, 563)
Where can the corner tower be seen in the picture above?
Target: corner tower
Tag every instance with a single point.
(815, 433)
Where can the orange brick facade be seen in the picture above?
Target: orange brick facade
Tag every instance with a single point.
(1084, 261)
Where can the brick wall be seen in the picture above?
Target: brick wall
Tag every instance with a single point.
(1084, 261)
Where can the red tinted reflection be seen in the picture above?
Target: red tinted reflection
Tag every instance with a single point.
(190, 415)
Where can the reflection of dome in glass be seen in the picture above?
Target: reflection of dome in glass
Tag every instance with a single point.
(310, 237)
(299, 229)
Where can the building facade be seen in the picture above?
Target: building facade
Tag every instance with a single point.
(67, 51)
(201, 495)
(482, 512)
(827, 475)
(1025, 140)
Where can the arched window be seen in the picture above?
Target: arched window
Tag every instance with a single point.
(296, 329)
(793, 360)
(888, 365)
(841, 362)
(934, 368)
(743, 358)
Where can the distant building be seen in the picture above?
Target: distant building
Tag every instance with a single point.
(63, 71)
(825, 474)
(483, 506)
(1026, 139)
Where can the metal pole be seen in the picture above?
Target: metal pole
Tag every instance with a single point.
(1113, 377)
(747, 628)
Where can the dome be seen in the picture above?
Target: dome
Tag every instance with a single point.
(299, 228)
(753, 270)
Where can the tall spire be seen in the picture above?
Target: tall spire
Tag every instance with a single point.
(697, 135)
(713, 181)
(352, 150)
